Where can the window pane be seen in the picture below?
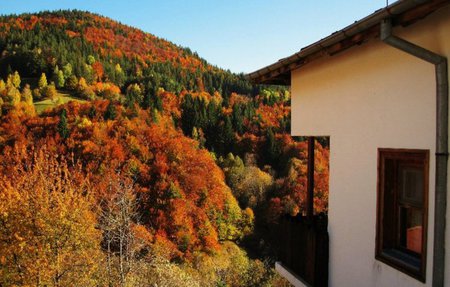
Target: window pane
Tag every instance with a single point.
(411, 229)
(411, 182)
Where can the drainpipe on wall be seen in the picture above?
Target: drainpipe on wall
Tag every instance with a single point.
(440, 63)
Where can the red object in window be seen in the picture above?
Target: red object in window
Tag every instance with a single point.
(414, 239)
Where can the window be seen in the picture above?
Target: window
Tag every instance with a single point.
(402, 210)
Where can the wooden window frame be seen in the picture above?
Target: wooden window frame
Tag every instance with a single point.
(395, 256)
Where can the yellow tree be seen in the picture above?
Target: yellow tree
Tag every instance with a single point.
(2, 86)
(14, 80)
(27, 95)
(50, 91)
(13, 96)
(42, 81)
(48, 234)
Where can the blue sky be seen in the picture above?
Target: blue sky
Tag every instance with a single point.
(240, 35)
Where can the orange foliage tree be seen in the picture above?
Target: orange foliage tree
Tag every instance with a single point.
(48, 234)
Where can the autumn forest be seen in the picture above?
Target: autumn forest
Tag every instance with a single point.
(126, 160)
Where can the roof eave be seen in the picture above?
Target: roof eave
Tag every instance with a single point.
(403, 13)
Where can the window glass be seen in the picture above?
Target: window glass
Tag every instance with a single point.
(411, 229)
(411, 180)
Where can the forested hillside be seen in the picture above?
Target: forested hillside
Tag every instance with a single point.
(99, 49)
(126, 160)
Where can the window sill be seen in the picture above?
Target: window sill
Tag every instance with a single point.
(402, 261)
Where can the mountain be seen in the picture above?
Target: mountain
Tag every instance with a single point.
(167, 158)
(36, 43)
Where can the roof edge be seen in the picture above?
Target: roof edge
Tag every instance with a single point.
(403, 12)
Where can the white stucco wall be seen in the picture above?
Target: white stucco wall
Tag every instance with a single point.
(371, 96)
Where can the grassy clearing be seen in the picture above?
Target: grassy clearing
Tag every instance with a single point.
(63, 98)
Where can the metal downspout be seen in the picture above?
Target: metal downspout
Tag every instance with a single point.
(440, 63)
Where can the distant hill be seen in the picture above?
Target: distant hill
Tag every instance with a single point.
(36, 43)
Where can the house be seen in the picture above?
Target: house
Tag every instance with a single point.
(379, 89)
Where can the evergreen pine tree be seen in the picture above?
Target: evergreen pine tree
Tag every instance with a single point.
(228, 132)
(147, 102)
(226, 137)
(63, 129)
(238, 122)
(157, 103)
(187, 115)
(272, 148)
(92, 112)
(110, 113)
